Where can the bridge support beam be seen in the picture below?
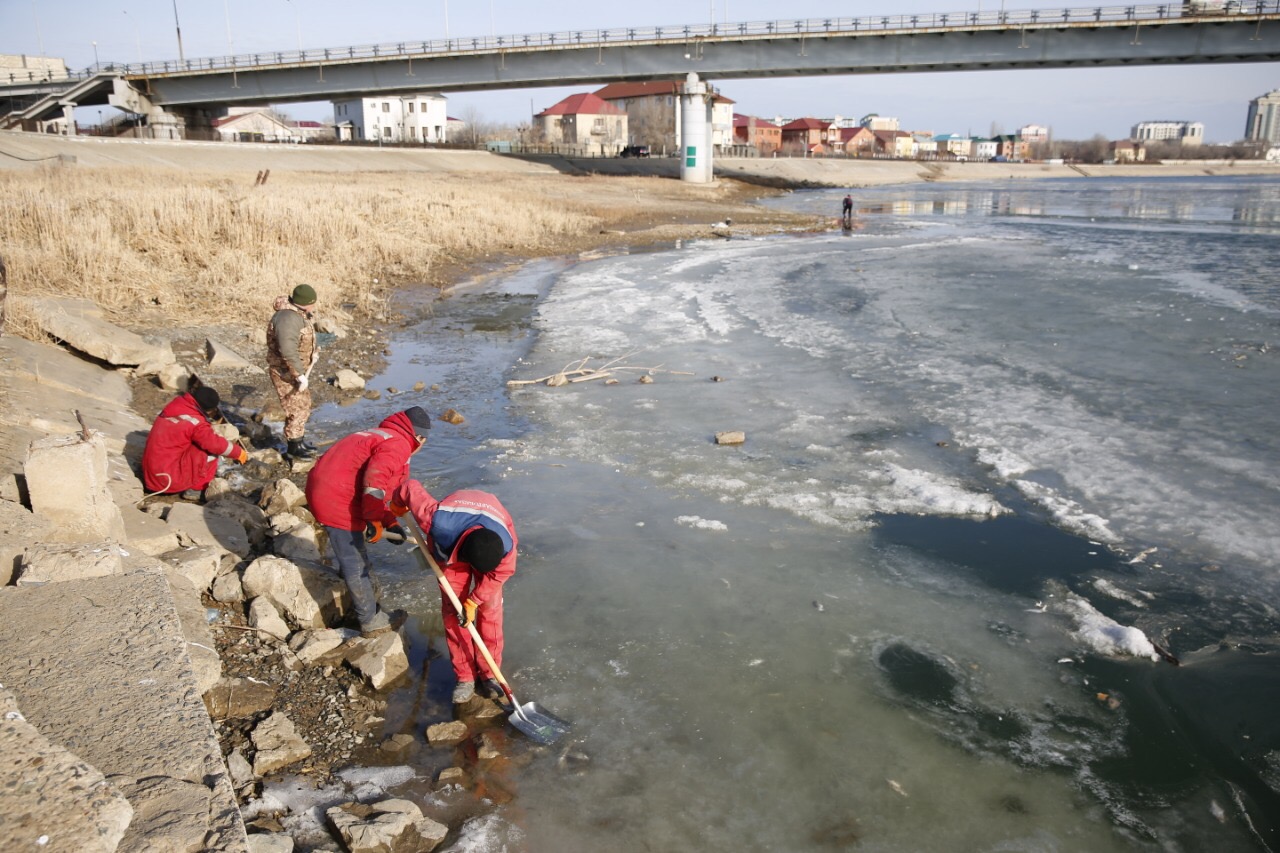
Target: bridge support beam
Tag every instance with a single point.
(695, 131)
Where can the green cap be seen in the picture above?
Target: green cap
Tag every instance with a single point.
(303, 294)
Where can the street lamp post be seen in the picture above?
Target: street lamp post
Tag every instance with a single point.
(178, 27)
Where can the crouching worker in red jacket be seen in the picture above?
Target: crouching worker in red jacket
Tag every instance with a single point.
(348, 492)
(182, 449)
(473, 540)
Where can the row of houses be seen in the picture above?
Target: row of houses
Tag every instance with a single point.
(877, 136)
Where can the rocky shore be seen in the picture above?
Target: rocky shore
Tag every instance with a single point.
(164, 663)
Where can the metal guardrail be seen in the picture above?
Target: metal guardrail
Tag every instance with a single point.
(880, 24)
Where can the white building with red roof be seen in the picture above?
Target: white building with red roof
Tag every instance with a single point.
(653, 108)
(585, 121)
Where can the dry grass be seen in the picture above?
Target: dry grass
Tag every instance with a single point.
(211, 248)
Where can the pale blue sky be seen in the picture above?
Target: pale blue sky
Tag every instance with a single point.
(1075, 103)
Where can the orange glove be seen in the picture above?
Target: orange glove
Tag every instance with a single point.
(468, 614)
(372, 531)
(397, 510)
(239, 454)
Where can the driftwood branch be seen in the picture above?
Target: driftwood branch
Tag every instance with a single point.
(578, 371)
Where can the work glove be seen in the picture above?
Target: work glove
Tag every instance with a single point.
(394, 533)
(302, 382)
(398, 510)
(239, 454)
(373, 531)
(468, 614)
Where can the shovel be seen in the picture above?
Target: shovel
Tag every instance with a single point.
(538, 724)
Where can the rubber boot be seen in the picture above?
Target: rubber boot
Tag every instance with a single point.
(298, 449)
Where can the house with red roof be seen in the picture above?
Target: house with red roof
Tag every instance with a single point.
(853, 141)
(653, 110)
(809, 135)
(760, 133)
(585, 121)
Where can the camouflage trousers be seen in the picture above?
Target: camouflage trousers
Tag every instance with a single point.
(296, 405)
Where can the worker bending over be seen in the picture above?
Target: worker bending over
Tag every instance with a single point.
(472, 538)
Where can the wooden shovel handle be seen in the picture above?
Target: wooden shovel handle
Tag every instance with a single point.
(457, 605)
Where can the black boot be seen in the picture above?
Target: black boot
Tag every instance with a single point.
(298, 449)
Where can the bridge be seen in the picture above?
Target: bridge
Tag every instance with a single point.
(178, 93)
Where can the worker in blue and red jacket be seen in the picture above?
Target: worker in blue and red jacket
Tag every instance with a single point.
(349, 490)
(182, 451)
(473, 540)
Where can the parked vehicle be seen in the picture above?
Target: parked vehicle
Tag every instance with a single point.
(635, 151)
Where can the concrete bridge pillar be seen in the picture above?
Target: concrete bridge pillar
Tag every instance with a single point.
(69, 115)
(695, 131)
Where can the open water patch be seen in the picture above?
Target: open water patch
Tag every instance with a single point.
(1009, 553)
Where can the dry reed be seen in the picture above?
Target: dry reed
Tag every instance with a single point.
(156, 245)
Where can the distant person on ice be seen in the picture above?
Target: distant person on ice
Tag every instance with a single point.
(182, 451)
(846, 214)
(473, 540)
(349, 491)
(291, 353)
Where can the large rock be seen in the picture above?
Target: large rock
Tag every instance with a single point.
(42, 564)
(264, 616)
(447, 734)
(42, 388)
(52, 799)
(243, 511)
(200, 565)
(223, 357)
(144, 532)
(348, 380)
(80, 324)
(382, 659)
(18, 528)
(203, 526)
(281, 496)
(116, 688)
(67, 482)
(206, 663)
(237, 698)
(309, 594)
(389, 826)
(321, 646)
(278, 744)
(294, 539)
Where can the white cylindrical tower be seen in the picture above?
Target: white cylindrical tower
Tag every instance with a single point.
(695, 143)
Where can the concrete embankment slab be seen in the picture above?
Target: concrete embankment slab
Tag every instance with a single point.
(41, 389)
(100, 667)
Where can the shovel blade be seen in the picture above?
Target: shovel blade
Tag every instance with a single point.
(539, 725)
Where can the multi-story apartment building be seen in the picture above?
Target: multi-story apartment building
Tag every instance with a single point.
(1263, 124)
(1185, 132)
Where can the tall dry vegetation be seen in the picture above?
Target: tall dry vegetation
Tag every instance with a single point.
(209, 248)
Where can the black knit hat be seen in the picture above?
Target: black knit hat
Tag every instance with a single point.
(419, 418)
(206, 398)
(482, 549)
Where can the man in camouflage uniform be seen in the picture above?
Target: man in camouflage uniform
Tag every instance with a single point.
(291, 353)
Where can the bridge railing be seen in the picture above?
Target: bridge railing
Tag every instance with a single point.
(699, 33)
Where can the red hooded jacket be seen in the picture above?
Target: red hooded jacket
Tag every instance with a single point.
(182, 448)
(352, 482)
(445, 522)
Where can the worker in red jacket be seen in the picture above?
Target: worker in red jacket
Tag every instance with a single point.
(182, 449)
(473, 540)
(348, 491)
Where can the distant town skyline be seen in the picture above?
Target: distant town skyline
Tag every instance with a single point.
(1073, 103)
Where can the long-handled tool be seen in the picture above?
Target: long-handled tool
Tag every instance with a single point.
(538, 724)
